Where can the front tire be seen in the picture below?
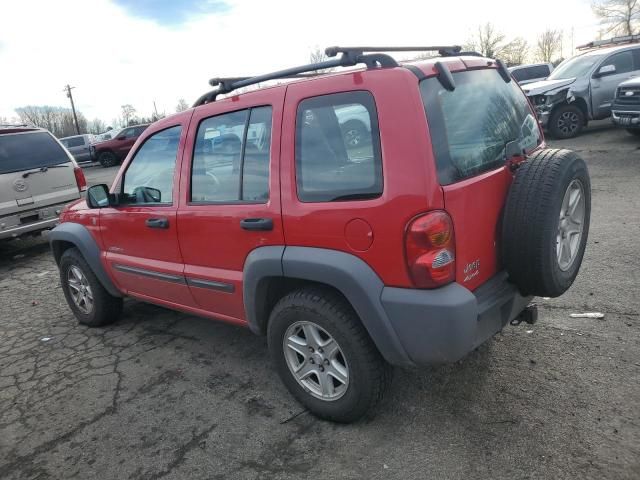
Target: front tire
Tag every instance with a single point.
(90, 302)
(325, 357)
(567, 121)
(108, 159)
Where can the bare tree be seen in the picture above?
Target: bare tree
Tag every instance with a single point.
(96, 126)
(515, 52)
(57, 120)
(182, 105)
(549, 45)
(128, 113)
(618, 16)
(488, 41)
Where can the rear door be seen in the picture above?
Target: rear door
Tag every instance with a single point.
(35, 171)
(230, 200)
(470, 128)
(140, 236)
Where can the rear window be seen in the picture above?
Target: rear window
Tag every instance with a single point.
(472, 125)
(25, 151)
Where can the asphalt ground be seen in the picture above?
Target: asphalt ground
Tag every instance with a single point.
(166, 395)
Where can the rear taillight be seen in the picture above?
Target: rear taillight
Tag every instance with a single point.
(430, 250)
(80, 180)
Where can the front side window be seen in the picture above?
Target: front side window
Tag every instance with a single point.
(623, 61)
(338, 148)
(149, 177)
(472, 125)
(231, 158)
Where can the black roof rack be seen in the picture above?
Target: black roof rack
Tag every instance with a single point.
(372, 57)
(610, 42)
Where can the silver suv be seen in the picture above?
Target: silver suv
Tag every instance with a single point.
(38, 177)
(582, 88)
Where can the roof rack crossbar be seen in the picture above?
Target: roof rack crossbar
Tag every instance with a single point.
(333, 51)
(347, 59)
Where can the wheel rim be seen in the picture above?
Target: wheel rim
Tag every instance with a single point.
(316, 361)
(352, 137)
(570, 225)
(568, 122)
(80, 289)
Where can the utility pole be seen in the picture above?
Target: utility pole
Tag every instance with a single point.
(67, 89)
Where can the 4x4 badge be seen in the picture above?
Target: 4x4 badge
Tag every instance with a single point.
(19, 185)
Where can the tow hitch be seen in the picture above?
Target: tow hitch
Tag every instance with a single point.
(528, 315)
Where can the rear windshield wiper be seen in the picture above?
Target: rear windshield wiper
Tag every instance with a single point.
(43, 169)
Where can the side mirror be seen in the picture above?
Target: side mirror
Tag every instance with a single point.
(120, 137)
(98, 196)
(606, 70)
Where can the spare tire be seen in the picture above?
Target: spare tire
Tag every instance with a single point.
(546, 222)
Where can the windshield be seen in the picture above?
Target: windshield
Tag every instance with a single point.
(25, 151)
(574, 67)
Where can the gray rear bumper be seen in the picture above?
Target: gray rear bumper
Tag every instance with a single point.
(443, 325)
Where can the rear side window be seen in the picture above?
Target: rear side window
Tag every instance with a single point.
(24, 151)
(74, 142)
(231, 158)
(338, 148)
(472, 125)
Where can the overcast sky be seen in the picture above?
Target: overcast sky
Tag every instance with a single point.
(140, 51)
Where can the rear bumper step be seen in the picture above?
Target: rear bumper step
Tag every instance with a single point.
(443, 325)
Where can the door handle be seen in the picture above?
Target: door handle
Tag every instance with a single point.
(157, 222)
(256, 224)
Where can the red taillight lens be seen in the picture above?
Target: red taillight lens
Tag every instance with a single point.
(430, 250)
(80, 180)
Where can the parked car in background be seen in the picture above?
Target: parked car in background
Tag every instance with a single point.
(111, 152)
(80, 146)
(534, 72)
(625, 110)
(582, 88)
(38, 177)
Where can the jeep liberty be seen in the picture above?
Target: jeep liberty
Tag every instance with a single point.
(410, 247)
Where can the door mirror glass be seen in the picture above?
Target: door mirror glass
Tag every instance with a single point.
(98, 196)
(606, 70)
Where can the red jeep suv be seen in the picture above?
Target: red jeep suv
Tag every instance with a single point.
(410, 247)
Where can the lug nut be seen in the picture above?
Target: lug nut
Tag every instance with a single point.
(311, 349)
(320, 350)
(321, 368)
(312, 361)
(326, 361)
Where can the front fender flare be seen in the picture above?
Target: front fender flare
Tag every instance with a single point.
(81, 238)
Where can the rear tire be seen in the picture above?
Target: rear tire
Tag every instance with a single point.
(634, 131)
(362, 374)
(354, 133)
(79, 282)
(546, 222)
(108, 159)
(567, 121)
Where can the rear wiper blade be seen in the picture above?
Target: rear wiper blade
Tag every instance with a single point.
(43, 169)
